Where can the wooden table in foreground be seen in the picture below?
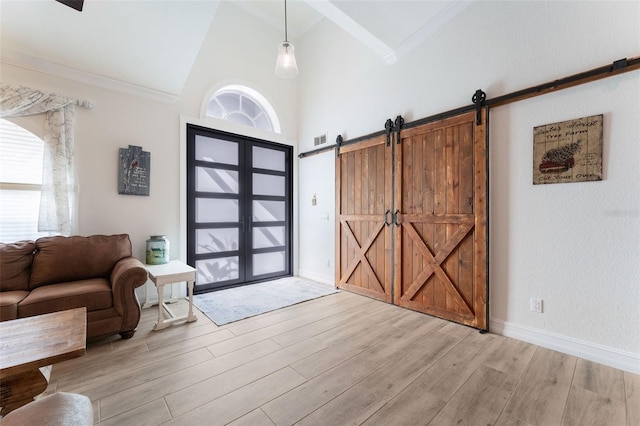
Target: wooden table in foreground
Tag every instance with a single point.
(26, 344)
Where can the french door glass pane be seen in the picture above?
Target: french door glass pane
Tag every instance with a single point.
(238, 207)
(268, 263)
(216, 240)
(215, 270)
(216, 210)
(216, 150)
(216, 180)
(268, 236)
(268, 185)
(270, 159)
(268, 211)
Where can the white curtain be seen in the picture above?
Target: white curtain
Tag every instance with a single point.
(57, 199)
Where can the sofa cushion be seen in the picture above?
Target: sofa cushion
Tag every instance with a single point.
(94, 294)
(63, 259)
(15, 265)
(9, 303)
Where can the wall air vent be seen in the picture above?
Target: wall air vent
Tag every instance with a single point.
(320, 140)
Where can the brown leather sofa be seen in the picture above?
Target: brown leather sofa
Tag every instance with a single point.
(57, 273)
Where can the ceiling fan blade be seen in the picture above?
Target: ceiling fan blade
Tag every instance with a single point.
(75, 4)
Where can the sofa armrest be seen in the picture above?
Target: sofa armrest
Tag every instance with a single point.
(128, 274)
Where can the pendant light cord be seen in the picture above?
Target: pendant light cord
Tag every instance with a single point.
(285, 21)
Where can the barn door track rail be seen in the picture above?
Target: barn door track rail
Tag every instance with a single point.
(479, 101)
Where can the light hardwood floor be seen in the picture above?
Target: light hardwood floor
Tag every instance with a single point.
(341, 359)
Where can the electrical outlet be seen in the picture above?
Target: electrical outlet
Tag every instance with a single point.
(536, 305)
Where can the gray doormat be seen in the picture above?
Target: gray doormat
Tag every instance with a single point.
(225, 306)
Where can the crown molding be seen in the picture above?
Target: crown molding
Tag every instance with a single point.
(62, 71)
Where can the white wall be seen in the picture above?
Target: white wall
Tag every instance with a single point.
(240, 49)
(118, 120)
(576, 246)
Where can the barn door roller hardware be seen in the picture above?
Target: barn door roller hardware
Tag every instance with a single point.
(393, 127)
(397, 126)
(339, 142)
(478, 99)
(388, 128)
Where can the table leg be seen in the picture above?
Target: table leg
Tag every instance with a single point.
(172, 298)
(18, 390)
(147, 303)
(191, 317)
(160, 324)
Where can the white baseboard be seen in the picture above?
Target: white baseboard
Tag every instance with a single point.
(314, 276)
(622, 360)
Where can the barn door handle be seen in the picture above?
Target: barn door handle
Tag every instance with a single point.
(386, 222)
(395, 217)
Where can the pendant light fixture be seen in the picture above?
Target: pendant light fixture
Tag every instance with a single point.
(286, 66)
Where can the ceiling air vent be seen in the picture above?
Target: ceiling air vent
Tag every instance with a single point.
(320, 140)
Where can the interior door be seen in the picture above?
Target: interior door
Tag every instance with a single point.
(363, 203)
(413, 213)
(440, 238)
(239, 209)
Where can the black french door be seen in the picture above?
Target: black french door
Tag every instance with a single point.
(239, 208)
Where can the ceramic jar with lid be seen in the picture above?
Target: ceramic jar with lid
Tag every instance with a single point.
(157, 250)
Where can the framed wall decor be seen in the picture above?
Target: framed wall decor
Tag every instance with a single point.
(569, 151)
(134, 171)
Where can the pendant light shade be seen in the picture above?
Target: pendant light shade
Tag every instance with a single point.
(286, 66)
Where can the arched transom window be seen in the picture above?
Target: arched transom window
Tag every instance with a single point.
(243, 105)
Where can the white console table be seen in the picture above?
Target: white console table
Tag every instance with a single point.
(171, 273)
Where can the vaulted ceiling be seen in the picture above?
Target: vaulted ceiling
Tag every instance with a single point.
(104, 41)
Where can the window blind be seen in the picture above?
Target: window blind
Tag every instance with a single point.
(20, 179)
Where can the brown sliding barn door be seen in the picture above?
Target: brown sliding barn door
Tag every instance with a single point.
(363, 240)
(440, 238)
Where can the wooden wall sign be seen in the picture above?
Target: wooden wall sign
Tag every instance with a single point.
(569, 151)
(133, 171)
